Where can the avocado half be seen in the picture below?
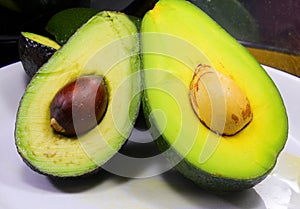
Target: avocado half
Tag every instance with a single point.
(106, 45)
(34, 51)
(176, 38)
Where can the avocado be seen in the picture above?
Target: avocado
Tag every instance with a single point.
(138, 8)
(221, 120)
(34, 51)
(232, 16)
(104, 50)
(63, 24)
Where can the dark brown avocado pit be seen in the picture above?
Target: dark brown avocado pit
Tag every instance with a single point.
(79, 106)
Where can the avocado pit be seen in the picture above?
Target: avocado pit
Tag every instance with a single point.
(79, 105)
(219, 102)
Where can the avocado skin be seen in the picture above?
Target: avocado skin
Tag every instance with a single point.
(206, 181)
(138, 8)
(33, 54)
(232, 16)
(62, 25)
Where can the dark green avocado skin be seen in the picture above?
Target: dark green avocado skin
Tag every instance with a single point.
(206, 181)
(33, 54)
(212, 183)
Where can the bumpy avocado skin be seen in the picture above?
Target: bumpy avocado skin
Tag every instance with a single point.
(34, 54)
(58, 156)
(189, 167)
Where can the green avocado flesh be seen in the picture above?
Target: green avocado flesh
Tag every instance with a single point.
(177, 37)
(106, 45)
(41, 39)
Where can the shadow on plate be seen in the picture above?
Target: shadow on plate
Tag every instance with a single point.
(198, 197)
(82, 184)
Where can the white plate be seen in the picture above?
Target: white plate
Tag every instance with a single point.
(20, 187)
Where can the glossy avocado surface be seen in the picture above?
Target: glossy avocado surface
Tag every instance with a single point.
(107, 46)
(63, 24)
(177, 38)
(34, 51)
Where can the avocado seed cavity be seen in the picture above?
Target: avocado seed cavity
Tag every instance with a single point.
(79, 106)
(219, 102)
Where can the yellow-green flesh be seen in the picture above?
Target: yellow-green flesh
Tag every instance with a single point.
(106, 45)
(177, 36)
(41, 39)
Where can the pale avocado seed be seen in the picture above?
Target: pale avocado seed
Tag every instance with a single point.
(219, 102)
(79, 105)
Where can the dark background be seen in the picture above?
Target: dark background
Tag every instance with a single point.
(278, 21)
